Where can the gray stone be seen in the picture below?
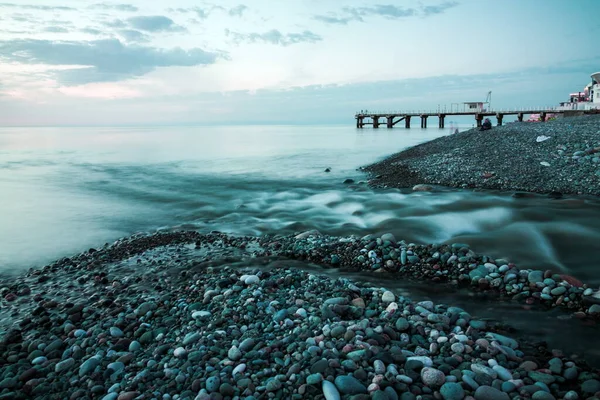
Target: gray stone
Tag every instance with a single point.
(247, 345)
(347, 384)
(89, 365)
(432, 377)
(535, 276)
(190, 338)
(212, 384)
(452, 391)
(591, 386)
(402, 324)
(330, 391)
(234, 353)
(542, 395)
(490, 393)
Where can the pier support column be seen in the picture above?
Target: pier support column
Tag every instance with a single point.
(423, 121)
(442, 118)
(358, 124)
(390, 122)
(520, 117)
(543, 117)
(375, 122)
(499, 117)
(479, 119)
(407, 122)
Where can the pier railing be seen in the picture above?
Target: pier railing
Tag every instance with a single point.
(444, 110)
(391, 118)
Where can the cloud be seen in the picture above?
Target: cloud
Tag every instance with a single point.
(237, 11)
(118, 7)
(274, 37)
(202, 13)
(101, 60)
(389, 11)
(91, 31)
(156, 23)
(133, 36)
(439, 9)
(37, 7)
(22, 17)
(55, 29)
(115, 23)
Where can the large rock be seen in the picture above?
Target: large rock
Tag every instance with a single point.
(347, 384)
(330, 391)
(490, 393)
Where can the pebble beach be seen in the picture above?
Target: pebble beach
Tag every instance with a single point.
(555, 157)
(182, 315)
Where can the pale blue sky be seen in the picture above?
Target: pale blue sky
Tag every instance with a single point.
(85, 62)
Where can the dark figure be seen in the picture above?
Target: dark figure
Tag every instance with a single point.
(487, 124)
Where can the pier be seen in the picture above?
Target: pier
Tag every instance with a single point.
(391, 119)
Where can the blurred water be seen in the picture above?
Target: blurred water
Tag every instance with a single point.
(63, 190)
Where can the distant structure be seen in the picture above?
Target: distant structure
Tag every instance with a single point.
(585, 102)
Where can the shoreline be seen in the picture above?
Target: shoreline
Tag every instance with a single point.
(142, 316)
(555, 157)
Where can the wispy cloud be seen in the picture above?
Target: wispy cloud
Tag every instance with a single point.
(274, 37)
(133, 36)
(155, 23)
(390, 11)
(91, 31)
(37, 7)
(55, 29)
(201, 13)
(118, 7)
(100, 60)
(439, 9)
(205, 12)
(115, 23)
(237, 11)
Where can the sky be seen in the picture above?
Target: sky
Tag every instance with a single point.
(150, 62)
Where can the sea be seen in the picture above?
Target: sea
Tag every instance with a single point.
(66, 189)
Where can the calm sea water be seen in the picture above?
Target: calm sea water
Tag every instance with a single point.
(64, 190)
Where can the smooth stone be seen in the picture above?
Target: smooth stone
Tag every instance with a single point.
(490, 393)
(234, 353)
(535, 276)
(190, 338)
(558, 291)
(314, 379)
(432, 377)
(39, 360)
(388, 297)
(330, 391)
(64, 365)
(502, 372)
(134, 346)
(541, 377)
(251, 279)
(542, 395)
(347, 384)
(247, 345)
(571, 395)
(116, 332)
(179, 352)
(591, 386)
(201, 314)
(402, 324)
(452, 391)
(89, 365)
(482, 369)
(212, 384)
(238, 369)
